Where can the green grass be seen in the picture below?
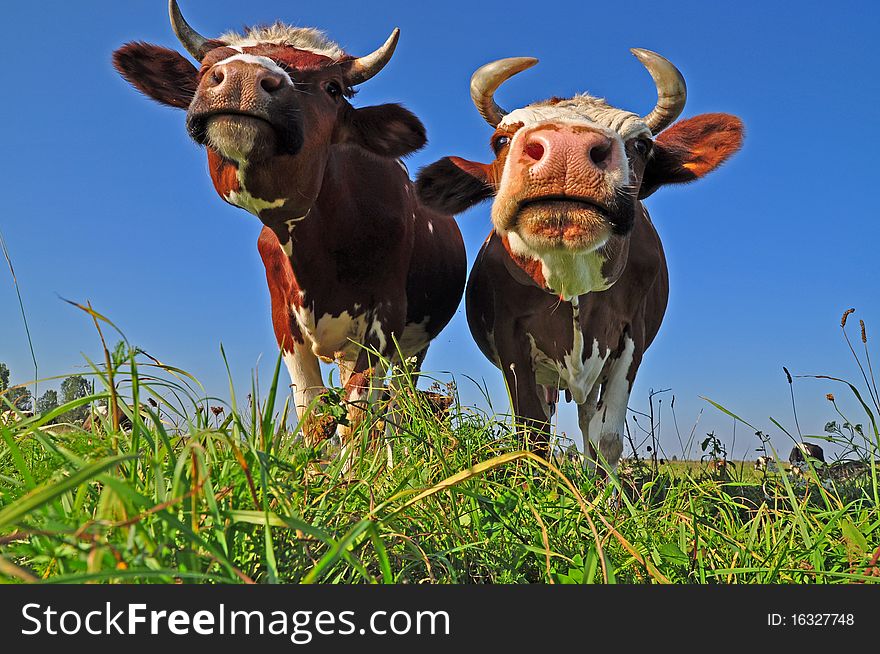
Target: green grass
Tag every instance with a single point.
(190, 494)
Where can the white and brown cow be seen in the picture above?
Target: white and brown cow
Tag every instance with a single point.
(353, 260)
(570, 287)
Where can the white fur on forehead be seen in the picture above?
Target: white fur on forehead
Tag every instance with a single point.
(303, 38)
(577, 109)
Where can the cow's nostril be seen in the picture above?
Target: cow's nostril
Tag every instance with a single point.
(534, 150)
(599, 154)
(217, 77)
(270, 84)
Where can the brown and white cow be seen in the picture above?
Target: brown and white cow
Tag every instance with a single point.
(570, 287)
(353, 260)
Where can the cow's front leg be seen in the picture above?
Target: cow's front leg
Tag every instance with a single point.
(602, 423)
(363, 383)
(530, 407)
(307, 385)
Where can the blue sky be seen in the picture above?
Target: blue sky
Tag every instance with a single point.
(106, 199)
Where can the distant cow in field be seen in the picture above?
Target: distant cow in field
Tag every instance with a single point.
(571, 286)
(719, 467)
(801, 451)
(9, 417)
(352, 257)
(101, 412)
(766, 463)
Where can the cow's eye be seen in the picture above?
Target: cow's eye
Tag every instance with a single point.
(643, 146)
(333, 90)
(499, 143)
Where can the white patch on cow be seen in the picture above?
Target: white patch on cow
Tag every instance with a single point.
(305, 376)
(430, 227)
(575, 372)
(603, 425)
(291, 223)
(577, 110)
(256, 60)
(377, 332)
(415, 337)
(331, 334)
(571, 274)
(287, 247)
(242, 197)
(567, 273)
(302, 38)
(252, 204)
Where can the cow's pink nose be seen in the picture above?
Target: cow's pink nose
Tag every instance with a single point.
(564, 146)
(234, 73)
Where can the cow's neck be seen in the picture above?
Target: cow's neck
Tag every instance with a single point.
(342, 240)
(566, 275)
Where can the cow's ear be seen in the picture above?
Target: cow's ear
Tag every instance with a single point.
(452, 185)
(387, 130)
(690, 149)
(164, 75)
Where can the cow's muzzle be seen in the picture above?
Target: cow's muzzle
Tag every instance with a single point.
(237, 133)
(553, 222)
(245, 109)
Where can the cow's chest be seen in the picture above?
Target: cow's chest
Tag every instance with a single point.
(575, 366)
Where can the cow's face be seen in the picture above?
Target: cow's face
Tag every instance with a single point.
(269, 106)
(569, 174)
(565, 178)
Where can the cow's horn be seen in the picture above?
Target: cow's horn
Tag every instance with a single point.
(191, 40)
(486, 80)
(363, 68)
(671, 90)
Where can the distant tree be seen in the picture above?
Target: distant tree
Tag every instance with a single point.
(48, 401)
(21, 398)
(73, 388)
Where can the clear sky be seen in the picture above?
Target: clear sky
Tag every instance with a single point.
(106, 199)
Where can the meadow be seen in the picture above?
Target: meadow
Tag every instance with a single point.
(192, 489)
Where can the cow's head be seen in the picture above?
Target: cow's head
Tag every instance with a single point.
(569, 174)
(269, 105)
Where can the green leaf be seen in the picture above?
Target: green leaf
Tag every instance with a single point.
(855, 539)
(670, 553)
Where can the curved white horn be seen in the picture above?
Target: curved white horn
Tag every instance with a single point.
(486, 80)
(363, 68)
(671, 90)
(194, 42)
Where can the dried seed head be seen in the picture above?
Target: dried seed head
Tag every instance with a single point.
(787, 374)
(864, 334)
(829, 397)
(845, 316)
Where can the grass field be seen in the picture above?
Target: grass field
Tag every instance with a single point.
(195, 490)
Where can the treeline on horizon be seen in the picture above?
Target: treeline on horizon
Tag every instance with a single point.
(20, 398)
